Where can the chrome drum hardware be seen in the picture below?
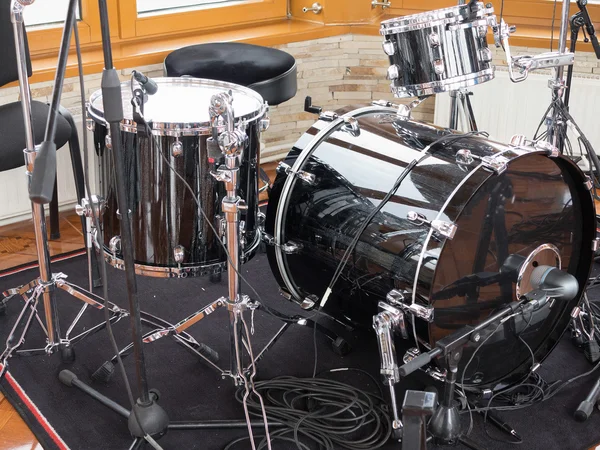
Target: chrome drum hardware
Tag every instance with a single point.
(170, 154)
(438, 51)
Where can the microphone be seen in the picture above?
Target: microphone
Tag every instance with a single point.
(554, 282)
(589, 26)
(148, 84)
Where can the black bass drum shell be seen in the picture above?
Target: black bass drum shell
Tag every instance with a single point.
(507, 201)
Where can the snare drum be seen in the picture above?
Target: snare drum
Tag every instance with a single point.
(171, 237)
(438, 51)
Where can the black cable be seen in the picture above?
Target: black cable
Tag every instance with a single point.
(322, 412)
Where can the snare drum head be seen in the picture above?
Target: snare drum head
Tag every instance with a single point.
(183, 102)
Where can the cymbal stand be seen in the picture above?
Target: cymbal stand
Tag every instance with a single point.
(44, 287)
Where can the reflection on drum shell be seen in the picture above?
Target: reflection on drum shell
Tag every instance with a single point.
(536, 200)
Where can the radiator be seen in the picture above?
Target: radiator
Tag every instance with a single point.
(503, 108)
(14, 201)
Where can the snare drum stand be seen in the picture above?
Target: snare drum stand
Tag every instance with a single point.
(459, 99)
(45, 286)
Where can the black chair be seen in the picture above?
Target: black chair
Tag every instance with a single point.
(12, 128)
(268, 71)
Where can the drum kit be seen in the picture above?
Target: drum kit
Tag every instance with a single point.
(462, 245)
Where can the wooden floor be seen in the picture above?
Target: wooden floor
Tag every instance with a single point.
(17, 246)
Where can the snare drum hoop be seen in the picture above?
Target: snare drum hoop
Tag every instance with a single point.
(288, 186)
(449, 84)
(177, 129)
(445, 16)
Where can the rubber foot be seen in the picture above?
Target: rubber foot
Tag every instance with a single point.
(104, 373)
(340, 346)
(67, 354)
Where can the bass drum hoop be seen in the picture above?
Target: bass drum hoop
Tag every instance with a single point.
(289, 184)
(520, 372)
(583, 194)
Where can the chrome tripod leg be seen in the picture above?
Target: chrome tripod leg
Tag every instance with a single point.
(12, 344)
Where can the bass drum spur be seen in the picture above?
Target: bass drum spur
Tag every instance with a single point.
(446, 240)
(171, 238)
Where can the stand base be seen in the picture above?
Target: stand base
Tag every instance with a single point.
(154, 420)
(445, 425)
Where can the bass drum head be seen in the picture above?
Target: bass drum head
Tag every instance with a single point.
(538, 201)
(501, 216)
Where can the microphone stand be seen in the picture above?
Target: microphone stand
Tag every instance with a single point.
(45, 285)
(147, 418)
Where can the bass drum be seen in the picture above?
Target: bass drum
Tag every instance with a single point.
(445, 240)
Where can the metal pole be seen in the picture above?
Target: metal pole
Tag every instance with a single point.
(113, 114)
(558, 84)
(39, 219)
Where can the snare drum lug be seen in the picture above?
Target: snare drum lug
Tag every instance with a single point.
(485, 55)
(179, 254)
(351, 126)
(264, 124)
(439, 67)
(328, 116)
(595, 244)
(588, 183)
(108, 142)
(393, 72)
(389, 48)
(177, 148)
(482, 31)
(434, 40)
(304, 176)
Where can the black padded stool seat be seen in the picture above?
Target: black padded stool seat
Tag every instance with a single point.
(12, 129)
(268, 71)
